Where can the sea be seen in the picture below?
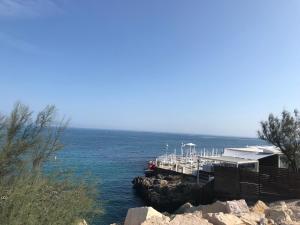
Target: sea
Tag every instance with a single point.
(111, 159)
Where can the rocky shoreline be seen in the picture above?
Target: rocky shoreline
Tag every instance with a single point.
(234, 212)
(180, 199)
(167, 192)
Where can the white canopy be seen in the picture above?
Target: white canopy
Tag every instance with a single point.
(189, 144)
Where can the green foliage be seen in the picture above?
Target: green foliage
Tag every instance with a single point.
(26, 143)
(284, 133)
(34, 199)
(29, 197)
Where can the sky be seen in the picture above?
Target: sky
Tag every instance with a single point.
(197, 66)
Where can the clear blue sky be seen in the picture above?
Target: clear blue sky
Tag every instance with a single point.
(198, 66)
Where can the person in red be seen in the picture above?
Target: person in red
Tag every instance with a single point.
(151, 166)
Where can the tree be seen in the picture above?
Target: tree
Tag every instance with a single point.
(25, 144)
(28, 196)
(284, 133)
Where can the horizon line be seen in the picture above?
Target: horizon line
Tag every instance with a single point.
(160, 132)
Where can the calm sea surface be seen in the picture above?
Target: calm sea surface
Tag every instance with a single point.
(114, 158)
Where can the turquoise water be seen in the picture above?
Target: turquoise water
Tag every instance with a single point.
(115, 157)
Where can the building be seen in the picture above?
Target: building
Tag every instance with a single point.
(251, 157)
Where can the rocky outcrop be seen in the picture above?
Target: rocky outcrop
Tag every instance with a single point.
(136, 216)
(279, 213)
(225, 213)
(223, 219)
(259, 207)
(204, 209)
(237, 207)
(168, 192)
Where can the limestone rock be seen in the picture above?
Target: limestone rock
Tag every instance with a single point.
(155, 220)
(216, 207)
(182, 219)
(266, 221)
(223, 219)
(237, 207)
(252, 218)
(294, 206)
(280, 204)
(280, 213)
(259, 207)
(82, 222)
(136, 216)
(188, 219)
(197, 213)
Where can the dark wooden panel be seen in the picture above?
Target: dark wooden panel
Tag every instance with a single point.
(270, 183)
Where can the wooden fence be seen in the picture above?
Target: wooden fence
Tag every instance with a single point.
(268, 184)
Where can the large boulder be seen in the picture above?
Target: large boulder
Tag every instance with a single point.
(259, 207)
(188, 219)
(223, 219)
(280, 213)
(216, 207)
(182, 219)
(294, 206)
(155, 220)
(266, 221)
(136, 216)
(237, 207)
(252, 218)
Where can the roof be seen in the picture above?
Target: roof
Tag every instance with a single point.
(230, 159)
(256, 156)
(258, 149)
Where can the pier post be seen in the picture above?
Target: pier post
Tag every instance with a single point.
(198, 171)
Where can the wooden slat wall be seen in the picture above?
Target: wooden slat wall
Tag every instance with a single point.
(269, 183)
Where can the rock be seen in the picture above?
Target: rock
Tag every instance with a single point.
(188, 219)
(294, 206)
(163, 183)
(281, 204)
(184, 208)
(197, 213)
(259, 207)
(166, 214)
(290, 223)
(279, 212)
(266, 221)
(202, 209)
(82, 222)
(168, 192)
(216, 207)
(252, 218)
(237, 207)
(297, 203)
(136, 216)
(223, 219)
(155, 220)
